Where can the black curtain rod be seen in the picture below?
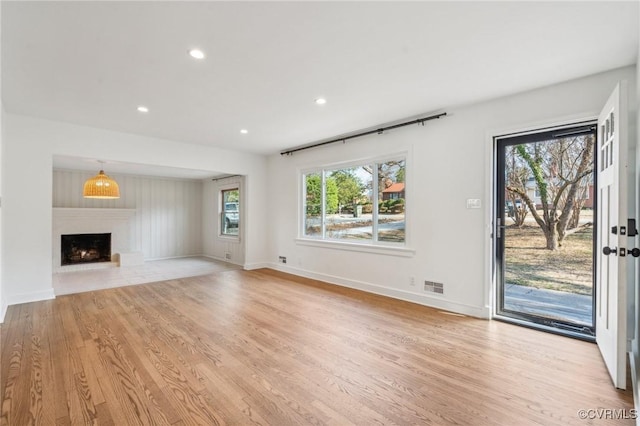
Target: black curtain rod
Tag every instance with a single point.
(369, 132)
(224, 177)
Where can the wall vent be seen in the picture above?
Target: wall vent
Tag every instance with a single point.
(227, 256)
(433, 287)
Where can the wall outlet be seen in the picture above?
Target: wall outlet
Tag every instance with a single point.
(412, 280)
(282, 259)
(227, 256)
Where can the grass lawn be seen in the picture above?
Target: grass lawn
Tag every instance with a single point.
(529, 263)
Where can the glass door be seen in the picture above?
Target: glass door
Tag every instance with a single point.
(545, 219)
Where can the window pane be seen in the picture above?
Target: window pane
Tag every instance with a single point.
(391, 201)
(348, 203)
(230, 212)
(313, 205)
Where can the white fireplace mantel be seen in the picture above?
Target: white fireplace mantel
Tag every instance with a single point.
(119, 223)
(79, 213)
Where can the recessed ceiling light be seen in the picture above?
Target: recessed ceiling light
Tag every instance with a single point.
(244, 131)
(143, 108)
(321, 101)
(196, 53)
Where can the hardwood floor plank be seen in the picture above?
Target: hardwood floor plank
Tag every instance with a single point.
(23, 407)
(104, 415)
(263, 347)
(12, 359)
(45, 330)
(132, 385)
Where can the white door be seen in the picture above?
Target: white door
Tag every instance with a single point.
(612, 240)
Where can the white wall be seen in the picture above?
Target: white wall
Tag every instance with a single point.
(29, 145)
(168, 211)
(449, 161)
(226, 248)
(3, 304)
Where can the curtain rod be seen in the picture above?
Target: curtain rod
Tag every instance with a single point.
(369, 132)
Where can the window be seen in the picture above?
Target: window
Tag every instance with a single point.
(230, 212)
(362, 203)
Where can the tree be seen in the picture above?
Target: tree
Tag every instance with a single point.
(331, 195)
(559, 168)
(388, 172)
(349, 187)
(581, 197)
(313, 184)
(517, 175)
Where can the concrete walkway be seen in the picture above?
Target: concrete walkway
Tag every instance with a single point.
(577, 308)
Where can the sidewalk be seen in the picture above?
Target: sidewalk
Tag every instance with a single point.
(554, 304)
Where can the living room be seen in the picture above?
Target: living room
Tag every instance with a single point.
(118, 86)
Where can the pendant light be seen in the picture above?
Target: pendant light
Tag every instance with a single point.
(101, 186)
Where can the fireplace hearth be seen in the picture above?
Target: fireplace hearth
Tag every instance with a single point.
(85, 248)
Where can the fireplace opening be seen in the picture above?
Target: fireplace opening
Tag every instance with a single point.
(85, 248)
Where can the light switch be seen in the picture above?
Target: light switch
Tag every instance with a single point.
(474, 203)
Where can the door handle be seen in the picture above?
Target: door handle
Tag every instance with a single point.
(635, 252)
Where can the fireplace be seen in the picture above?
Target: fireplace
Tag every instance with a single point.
(85, 248)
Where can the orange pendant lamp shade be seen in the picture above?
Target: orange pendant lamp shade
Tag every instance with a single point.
(101, 186)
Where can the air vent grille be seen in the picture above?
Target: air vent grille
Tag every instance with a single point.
(433, 287)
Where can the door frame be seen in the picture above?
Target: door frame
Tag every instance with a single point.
(536, 321)
(491, 195)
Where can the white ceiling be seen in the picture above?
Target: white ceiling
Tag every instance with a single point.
(93, 63)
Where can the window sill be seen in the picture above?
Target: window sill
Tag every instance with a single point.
(364, 248)
(230, 238)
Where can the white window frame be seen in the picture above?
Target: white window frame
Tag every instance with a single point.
(373, 245)
(221, 211)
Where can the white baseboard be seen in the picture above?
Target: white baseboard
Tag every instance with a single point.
(257, 265)
(208, 256)
(438, 302)
(35, 296)
(222, 259)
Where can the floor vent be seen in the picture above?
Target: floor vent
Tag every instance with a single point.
(433, 287)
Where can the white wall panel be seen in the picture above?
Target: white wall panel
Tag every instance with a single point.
(169, 211)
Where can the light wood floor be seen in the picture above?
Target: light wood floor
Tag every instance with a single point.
(263, 347)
